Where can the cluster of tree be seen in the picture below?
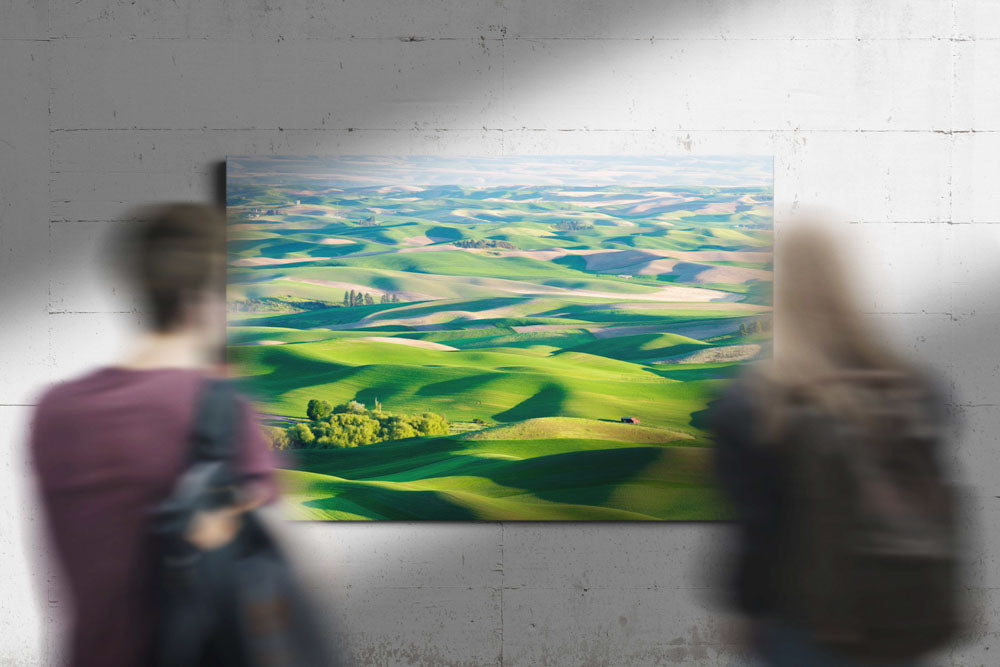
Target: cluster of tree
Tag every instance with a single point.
(487, 243)
(758, 325)
(358, 298)
(573, 225)
(369, 222)
(268, 304)
(352, 425)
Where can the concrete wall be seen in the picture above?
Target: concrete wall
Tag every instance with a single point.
(887, 111)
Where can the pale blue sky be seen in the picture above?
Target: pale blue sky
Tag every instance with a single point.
(367, 171)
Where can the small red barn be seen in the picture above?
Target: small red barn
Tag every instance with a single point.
(630, 420)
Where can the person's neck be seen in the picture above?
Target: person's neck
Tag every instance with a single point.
(174, 349)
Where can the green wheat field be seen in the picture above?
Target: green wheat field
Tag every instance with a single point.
(474, 332)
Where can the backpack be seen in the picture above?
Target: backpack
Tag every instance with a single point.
(238, 605)
(872, 546)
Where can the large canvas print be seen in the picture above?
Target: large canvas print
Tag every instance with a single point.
(497, 338)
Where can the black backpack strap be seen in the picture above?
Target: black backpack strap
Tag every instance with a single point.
(208, 601)
(210, 480)
(215, 430)
(189, 586)
(214, 443)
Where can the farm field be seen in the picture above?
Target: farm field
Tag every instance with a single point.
(532, 305)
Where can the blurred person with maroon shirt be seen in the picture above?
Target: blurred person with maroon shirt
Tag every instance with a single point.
(109, 446)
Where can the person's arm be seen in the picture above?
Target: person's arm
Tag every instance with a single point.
(749, 474)
(255, 463)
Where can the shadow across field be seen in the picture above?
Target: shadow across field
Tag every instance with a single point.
(457, 386)
(385, 391)
(287, 372)
(396, 504)
(469, 480)
(700, 372)
(548, 402)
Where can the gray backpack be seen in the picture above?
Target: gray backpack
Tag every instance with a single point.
(873, 554)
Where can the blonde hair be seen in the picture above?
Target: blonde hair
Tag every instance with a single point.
(821, 337)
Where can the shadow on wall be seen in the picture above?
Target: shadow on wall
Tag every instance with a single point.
(373, 579)
(403, 592)
(218, 176)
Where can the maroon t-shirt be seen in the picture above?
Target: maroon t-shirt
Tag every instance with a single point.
(108, 447)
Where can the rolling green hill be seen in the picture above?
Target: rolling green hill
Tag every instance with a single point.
(531, 317)
(463, 479)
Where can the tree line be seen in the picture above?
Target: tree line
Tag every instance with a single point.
(267, 304)
(352, 424)
(761, 325)
(485, 243)
(359, 298)
(573, 225)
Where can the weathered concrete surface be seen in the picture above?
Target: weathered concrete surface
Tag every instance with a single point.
(887, 112)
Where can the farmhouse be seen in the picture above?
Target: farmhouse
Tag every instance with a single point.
(630, 420)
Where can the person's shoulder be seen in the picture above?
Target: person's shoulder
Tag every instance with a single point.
(57, 413)
(743, 393)
(733, 414)
(935, 394)
(62, 395)
(119, 385)
(933, 385)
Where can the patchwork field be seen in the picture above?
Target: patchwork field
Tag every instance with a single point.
(533, 318)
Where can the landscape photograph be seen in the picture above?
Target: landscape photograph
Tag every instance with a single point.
(496, 338)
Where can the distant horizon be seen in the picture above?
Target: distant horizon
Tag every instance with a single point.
(346, 171)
